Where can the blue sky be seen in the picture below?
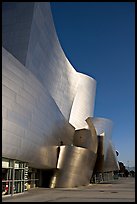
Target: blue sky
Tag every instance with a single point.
(98, 38)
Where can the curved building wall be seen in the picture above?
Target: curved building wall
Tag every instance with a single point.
(32, 122)
(111, 162)
(47, 61)
(83, 138)
(40, 88)
(45, 58)
(82, 153)
(103, 128)
(16, 24)
(44, 100)
(103, 125)
(83, 104)
(75, 166)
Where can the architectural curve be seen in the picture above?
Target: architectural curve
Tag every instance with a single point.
(70, 166)
(106, 156)
(30, 117)
(40, 82)
(46, 102)
(83, 104)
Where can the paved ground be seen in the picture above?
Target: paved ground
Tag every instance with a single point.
(121, 190)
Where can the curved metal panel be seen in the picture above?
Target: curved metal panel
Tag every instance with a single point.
(36, 112)
(47, 61)
(111, 162)
(30, 117)
(16, 26)
(106, 159)
(93, 134)
(86, 139)
(38, 45)
(103, 125)
(82, 138)
(83, 104)
(42, 106)
(75, 166)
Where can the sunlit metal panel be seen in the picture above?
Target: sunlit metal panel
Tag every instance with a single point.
(75, 166)
(107, 159)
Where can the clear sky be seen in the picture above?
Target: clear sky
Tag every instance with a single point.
(98, 38)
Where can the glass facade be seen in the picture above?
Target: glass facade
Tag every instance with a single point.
(33, 178)
(17, 177)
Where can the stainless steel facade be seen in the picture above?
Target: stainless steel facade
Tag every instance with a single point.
(72, 159)
(106, 156)
(44, 99)
(32, 122)
(75, 167)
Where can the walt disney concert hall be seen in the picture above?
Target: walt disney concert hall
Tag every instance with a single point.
(50, 136)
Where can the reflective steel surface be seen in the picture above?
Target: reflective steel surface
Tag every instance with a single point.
(46, 102)
(106, 155)
(86, 138)
(75, 166)
(72, 159)
(43, 56)
(92, 128)
(82, 138)
(40, 88)
(83, 104)
(31, 119)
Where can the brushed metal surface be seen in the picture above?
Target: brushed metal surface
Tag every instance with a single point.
(16, 24)
(75, 166)
(41, 99)
(40, 87)
(82, 138)
(106, 155)
(93, 134)
(44, 57)
(82, 153)
(111, 161)
(86, 138)
(31, 120)
(83, 104)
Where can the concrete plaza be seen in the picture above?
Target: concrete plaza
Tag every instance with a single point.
(121, 190)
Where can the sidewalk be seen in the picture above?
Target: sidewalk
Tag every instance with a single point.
(121, 190)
